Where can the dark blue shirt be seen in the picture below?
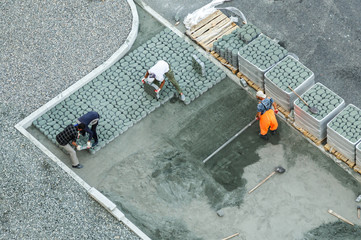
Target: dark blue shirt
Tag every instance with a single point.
(86, 119)
(264, 105)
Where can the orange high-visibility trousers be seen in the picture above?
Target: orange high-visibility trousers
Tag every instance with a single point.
(268, 120)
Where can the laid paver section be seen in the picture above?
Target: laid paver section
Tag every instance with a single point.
(118, 96)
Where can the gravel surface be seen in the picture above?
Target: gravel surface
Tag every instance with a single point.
(45, 48)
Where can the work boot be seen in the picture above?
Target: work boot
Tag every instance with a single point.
(77, 166)
(274, 132)
(264, 137)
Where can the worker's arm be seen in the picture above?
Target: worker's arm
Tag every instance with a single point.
(162, 84)
(145, 77)
(258, 115)
(275, 107)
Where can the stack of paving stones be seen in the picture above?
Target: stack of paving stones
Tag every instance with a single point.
(118, 95)
(257, 57)
(227, 46)
(248, 32)
(328, 103)
(344, 132)
(358, 155)
(288, 73)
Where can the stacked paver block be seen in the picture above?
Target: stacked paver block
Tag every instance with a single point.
(257, 57)
(227, 46)
(328, 103)
(118, 95)
(358, 155)
(344, 132)
(248, 32)
(287, 73)
(198, 65)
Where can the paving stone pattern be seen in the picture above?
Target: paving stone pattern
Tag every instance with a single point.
(288, 72)
(328, 103)
(344, 131)
(118, 95)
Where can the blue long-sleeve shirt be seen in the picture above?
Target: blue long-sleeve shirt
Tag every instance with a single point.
(87, 119)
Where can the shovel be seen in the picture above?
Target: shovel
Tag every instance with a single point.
(229, 140)
(277, 170)
(312, 109)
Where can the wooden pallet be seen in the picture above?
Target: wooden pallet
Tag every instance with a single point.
(357, 169)
(224, 62)
(210, 29)
(339, 156)
(285, 113)
(249, 82)
(309, 135)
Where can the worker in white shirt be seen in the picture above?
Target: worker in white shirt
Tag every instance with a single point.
(155, 77)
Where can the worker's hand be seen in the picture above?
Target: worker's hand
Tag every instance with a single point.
(78, 147)
(157, 90)
(276, 111)
(88, 145)
(257, 118)
(143, 80)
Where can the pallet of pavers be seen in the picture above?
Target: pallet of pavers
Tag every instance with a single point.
(314, 125)
(211, 28)
(257, 57)
(358, 158)
(344, 132)
(226, 48)
(287, 73)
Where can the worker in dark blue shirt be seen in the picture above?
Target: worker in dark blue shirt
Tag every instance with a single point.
(92, 119)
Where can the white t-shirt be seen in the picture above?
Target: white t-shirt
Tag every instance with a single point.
(159, 69)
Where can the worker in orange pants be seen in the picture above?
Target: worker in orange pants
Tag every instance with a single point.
(266, 115)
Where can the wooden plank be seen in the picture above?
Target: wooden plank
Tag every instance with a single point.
(357, 169)
(205, 21)
(209, 26)
(226, 32)
(212, 32)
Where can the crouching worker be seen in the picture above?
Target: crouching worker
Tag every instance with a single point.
(67, 136)
(89, 119)
(266, 115)
(155, 78)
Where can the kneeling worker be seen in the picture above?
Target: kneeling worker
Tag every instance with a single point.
(266, 115)
(92, 119)
(155, 77)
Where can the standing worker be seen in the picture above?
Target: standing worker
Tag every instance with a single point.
(155, 77)
(70, 134)
(92, 119)
(266, 115)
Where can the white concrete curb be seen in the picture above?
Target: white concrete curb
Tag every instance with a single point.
(25, 123)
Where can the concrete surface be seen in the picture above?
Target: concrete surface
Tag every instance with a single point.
(154, 173)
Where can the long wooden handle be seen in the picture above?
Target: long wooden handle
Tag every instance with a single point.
(298, 96)
(264, 180)
(358, 213)
(236, 234)
(340, 217)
